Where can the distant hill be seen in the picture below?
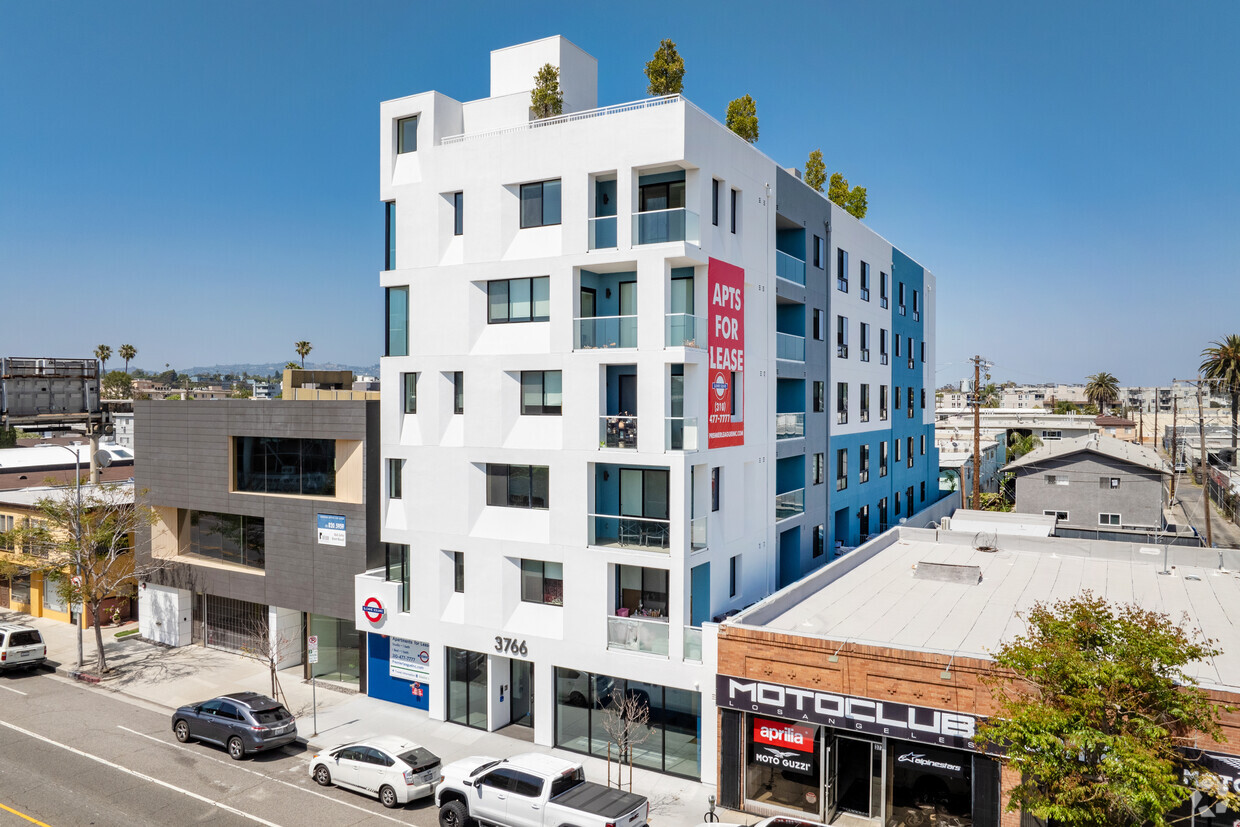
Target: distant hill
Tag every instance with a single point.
(266, 368)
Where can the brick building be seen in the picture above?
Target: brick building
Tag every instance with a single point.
(854, 694)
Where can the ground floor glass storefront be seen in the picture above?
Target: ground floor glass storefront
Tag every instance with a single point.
(583, 702)
(467, 688)
(340, 654)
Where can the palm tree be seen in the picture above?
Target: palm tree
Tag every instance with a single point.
(1102, 389)
(103, 353)
(303, 350)
(1222, 368)
(1020, 444)
(127, 352)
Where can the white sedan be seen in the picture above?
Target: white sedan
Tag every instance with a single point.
(773, 821)
(394, 770)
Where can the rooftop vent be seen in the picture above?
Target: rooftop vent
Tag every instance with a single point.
(949, 573)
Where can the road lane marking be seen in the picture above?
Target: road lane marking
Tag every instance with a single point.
(136, 774)
(236, 766)
(18, 691)
(23, 815)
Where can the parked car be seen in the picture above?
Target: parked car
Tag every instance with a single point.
(242, 722)
(1181, 467)
(532, 790)
(21, 647)
(392, 769)
(773, 821)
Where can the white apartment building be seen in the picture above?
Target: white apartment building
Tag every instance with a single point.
(612, 340)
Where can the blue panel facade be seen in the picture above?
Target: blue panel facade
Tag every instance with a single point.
(380, 684)
(925, 471)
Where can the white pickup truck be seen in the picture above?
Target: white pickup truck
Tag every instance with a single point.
(532, 790)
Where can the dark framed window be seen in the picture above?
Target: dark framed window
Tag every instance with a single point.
(541, 393)
(406, 135)
(901, 303)
(458, 213)
(911, 403)
(396, 570)
(542, 582)
(863, 460)
(841, 337)
(897, 345)
(519, 300)
(916, 307)
(410, 381)
(841, 403)
(910, 452)
(231, 538)
(841, 469)
(899, 443)
(396, 342)
(911, 350)
(882, 345)
(882, 290)
(389, 231)
(923, 492)
(882, 459)
(820, 470)
(518, 486)
(820, 540)
(540, 204)
(865, 341)
(923, 351)
(865, 403)
(458, 572)
(820, 251)
(820, 396)
(284, 465)
(1109, 519)
(865, 282)
(716, 483)
(734, 565)
(899, 396)
(458, 392)
(882, 402)
(734, 208)
(923, 399)
(819, 324)
(395, 472)
(841, 270)
(714, 201)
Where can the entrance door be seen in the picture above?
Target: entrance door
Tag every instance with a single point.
(856, 778)
(522, 683)
(833, 778)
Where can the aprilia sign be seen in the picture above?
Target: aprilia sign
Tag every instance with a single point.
(783, 734)
(910, 723)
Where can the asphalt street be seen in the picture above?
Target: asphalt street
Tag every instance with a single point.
(1226, 533)
(76, 755)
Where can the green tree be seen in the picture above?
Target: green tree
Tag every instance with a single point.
(117, 385)
(1221, 365)
(103, 353)
(1063, 406)
(665, 71)
(292, 366)
(127, 352)
(1020, 444)
(1102, 389)
(853, 200)
(241, 390)
(1092, 706)
(990, 395)
(546, 99)
(303, 350)
(858, 202)
(815, 170)
(742, 118)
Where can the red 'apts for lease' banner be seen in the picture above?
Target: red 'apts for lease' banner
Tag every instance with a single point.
(783, 734)
(726, 341)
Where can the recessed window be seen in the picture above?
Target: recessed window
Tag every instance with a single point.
(910, 452)
(540, 204)
(1108, 519)
(898, 443)
(395, 471)
(902, 308)
(458, 572)
(458, 392)
(923, 352)
(519, 300)
(541, 393)
(410, 381)
(396, 342)
(734, 575)
(865, 403)
(841, 469)
(407, 135)
(714, 201)
(863, 472)
(916, 307)
(820, 540)
(841, 403)
(865, 282)
(716, 484)
(458, 213)
(518, 486)
(865, 341)
(882, 459)
(735, 209)
(231, 538)
(389, 231)
(923, 399)
(923, 445)
(1108, 482)
(841, 270)
(820, 394)
(1058, 515)
(285, 465)
(841, 337)
(819, 324)
(820, 462)
(882, 290)
(882, 402)
(897, 352)
(820, 252)
(542, 582)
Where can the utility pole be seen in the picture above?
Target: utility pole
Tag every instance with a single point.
(1156, 403)
(1205, 473)
(977, 430)
(1175, 434)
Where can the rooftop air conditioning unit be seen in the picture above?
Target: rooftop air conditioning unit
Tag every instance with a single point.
(945, 524)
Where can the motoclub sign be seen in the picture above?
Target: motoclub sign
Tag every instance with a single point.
(895, 720)
(726, 342)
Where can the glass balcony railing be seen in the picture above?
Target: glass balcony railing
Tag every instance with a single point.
(630, 532)
(603, 232)
(789, 425)
(658, 226)
(684, 330)
(790, 346)
(638, 634)
(697, 533)
(617, 432)
(693, 644)
(789, 267)
(681, 433)
(605, 331)
(789, 504)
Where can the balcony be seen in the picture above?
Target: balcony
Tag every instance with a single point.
(790, 346)
(618, 531)
(693, 644)
(660, 226)
(684, 330)
(789, 425)
(789, 504)
(681, 433)
(617, 432)
(697, 533)
(603, 233)
(604, 332)
(647, 635)
(789, 268)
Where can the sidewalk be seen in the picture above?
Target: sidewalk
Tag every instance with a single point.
(167, 678)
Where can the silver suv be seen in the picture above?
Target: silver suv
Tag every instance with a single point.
(21, 647)
(242, 722)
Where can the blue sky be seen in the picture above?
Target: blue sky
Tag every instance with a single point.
(201, 179)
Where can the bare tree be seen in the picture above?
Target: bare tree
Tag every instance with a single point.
(271, 646)
(627, 724)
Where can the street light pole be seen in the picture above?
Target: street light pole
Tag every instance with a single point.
(77, 531)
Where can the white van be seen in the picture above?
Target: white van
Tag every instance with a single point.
(21, 647)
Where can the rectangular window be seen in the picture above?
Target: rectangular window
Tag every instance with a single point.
(716, 483)
(518, 486)
(901, 304)
(396, 569)
(841, 403)
(1052, 435)
(897, 345)
(923, 351)
(865, 341)
(899, 396)
(911, 403)
(519, 300)
(899, 444)
(1058, 515)
(406, 135)
(820, 540)
(542, 582)
(910, 350)
(396, 342)
(841, 270)
(231, 538)
(820, 396)
(916, 307)
(714, 201)
(540, 204)
(865, 403)
(841, 469)
(734, 570)
(897, 503)
(458, 213)
(458, 572)
(458, 392)
(923, 445)
(882, 402)
(923, 492)
(923, 399)
(882, 345)
(910, 452)
(1108, 482)
(395, 471)
(841, 337)
(819, 251)
(389, 222)
(1108, 519)
(284, 465)
(411, 392)
(541, 393)
(734, 209)
(819, 324)
(820, 462)
(882, 459)
(882, 290)
(865, 282)
(863, 473)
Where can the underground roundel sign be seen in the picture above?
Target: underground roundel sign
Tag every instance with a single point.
(373, 609)
(719, 384)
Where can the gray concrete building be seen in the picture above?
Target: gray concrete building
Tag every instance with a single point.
(264, 513)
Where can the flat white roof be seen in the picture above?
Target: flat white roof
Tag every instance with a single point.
(56, 456)
(29, 497)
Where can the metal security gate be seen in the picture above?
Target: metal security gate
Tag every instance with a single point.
(231, 625)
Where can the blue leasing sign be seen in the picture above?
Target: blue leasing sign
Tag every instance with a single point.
(331, 529)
